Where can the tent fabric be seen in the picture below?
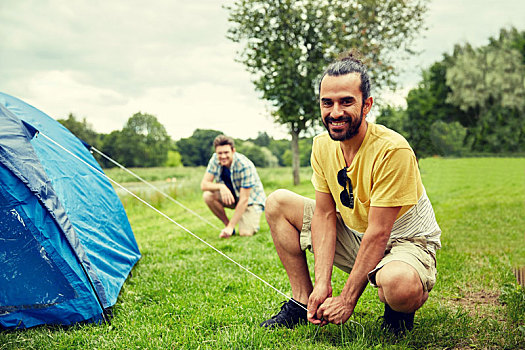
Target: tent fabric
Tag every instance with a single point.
(66, 246)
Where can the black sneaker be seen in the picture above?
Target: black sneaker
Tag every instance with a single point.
(397, 322)
(291, 314)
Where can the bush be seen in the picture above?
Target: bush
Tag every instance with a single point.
(448, 138)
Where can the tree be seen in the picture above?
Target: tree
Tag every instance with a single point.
(278, 148)
(263, 139)
(287, 43)
(143, 142)
(111, 146)
(253, 152)
(427, 104)
(174, 159)
(394, 118)
(448, 138)
(421, 113)
(197, 149)
(480, 79)
(81, 129)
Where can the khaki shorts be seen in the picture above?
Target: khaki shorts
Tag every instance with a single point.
(250, 220)
(412, 251)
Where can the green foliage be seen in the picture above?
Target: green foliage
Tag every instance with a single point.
(513, 296)
(262, 139)
(81, 129)
(112, 145)
(278, 149)
(427, 104)
(305, 150)
(270, 159)
(143, 141)
(483, 89)
(395, 119)
(489, 83)
(197, 149)
(174, 159)
(260, 156)
(287, 44)
(491, 74)
(498, 130)
(263, 151)
(448, 138)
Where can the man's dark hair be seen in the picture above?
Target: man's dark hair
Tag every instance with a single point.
(349, 62)
(222, 140)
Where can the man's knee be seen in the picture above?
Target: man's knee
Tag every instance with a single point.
(275, 201)
(208, 197)
(401, 286)
(284, 207)
(280, 202)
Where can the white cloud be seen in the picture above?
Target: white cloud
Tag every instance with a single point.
(180, 109)
(105, 60)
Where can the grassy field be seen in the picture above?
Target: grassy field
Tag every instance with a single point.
(185, 295)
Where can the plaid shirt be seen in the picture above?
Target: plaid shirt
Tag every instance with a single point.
(243, 175)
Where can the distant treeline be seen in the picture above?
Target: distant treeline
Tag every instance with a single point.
(144, 142)
(470, 103)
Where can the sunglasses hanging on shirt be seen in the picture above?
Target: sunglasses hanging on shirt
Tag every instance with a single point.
(347, 194)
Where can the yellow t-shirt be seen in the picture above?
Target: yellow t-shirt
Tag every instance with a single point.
(384, 173)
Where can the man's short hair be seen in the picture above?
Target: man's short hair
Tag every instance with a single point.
(350, 62)
(222, 140)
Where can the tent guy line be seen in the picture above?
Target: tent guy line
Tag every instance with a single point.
(168, 218)
(175, 222)
(62, 262)
(153, 187)
(193, 212)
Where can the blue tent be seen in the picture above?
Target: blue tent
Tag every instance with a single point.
(66, 246)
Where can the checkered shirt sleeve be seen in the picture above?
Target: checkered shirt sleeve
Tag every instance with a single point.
(244, 175)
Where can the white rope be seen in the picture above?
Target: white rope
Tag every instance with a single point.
(166, 216)
(154, 187)
(180, 226)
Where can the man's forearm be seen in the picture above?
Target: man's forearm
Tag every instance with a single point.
(323, 243)
(240, 208)
(211, 186)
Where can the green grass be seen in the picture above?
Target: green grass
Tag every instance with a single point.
(185, 295)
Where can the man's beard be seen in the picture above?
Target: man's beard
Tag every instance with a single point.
(353, 127)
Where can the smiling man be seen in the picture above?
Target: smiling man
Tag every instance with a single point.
(237, 186)
(371, 216)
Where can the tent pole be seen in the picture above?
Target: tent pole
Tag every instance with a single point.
(94, 290)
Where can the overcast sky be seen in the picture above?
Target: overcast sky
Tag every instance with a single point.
(106, 60)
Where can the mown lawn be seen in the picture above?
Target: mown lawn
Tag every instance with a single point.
(183, 294)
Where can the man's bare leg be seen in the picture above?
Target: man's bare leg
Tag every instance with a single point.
(400, 287)
(284, 213)
(216, 206)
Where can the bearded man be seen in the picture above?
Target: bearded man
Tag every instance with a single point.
(371, 216)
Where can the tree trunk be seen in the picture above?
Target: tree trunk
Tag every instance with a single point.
(295, 156)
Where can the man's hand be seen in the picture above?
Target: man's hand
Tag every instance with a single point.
(226, 232)
(335, 310)
(317, 298)
(226, 195)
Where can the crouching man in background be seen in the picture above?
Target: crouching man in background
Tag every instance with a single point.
(231, 181)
